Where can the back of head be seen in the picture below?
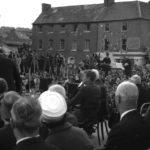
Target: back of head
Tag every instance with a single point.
(7, 102)
(26, 115)
(58, 88)
(136, 79)
(126, 95)
(90, 76)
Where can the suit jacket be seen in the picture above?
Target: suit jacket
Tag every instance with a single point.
(35, 143)
(7, 138)
(9, 71)
(68, 137)
(130, 133)
(88, 97)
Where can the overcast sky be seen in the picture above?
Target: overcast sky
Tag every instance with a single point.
(22, 13)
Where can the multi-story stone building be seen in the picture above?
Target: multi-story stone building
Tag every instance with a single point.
(121, 28)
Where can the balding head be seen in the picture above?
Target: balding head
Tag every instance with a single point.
(126, 96)
(127, 90)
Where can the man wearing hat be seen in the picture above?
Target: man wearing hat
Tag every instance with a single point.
(62, 133)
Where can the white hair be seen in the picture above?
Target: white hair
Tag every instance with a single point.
(96, 73)
(127, 90)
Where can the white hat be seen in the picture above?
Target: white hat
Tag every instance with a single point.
(136, 79)
(53, 105)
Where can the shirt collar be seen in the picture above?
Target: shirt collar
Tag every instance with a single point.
(126, 112)
(25, 138)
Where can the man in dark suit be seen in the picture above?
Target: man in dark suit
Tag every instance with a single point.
(131, 132)
(26, 115)
(88, 98)
(6, 132)
(9, 71)
(127, 67)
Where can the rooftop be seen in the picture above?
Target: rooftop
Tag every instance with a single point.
(95, 13)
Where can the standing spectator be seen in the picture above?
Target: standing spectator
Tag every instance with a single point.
(9, 71)
(26, 120)
(127, 67)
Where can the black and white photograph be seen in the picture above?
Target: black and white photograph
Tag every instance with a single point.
(75, 75)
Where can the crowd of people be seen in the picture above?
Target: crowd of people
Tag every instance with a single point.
(39, 110)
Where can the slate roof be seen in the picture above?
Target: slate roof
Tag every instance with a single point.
(95, 13)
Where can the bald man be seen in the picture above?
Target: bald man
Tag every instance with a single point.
(131, 132)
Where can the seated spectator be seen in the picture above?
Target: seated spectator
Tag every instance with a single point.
(62, 134)
(61, 90)
(26, 120)
(6, 133)
(88, 101)
(131, 132)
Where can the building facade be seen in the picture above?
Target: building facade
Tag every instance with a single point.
(122, 29)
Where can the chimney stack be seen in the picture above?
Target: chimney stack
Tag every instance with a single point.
(108, 3)
(45, 7)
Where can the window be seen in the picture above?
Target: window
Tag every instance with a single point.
(62, 25)
(51, 28)
(124, 26)
(75, 27)
(50, 46)
(74, 45)
(107, 27)
(87, 44)
(124, 44)
(88, 27)
(40, 44)
(62, 44)
(40, 28)
(106, 44)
